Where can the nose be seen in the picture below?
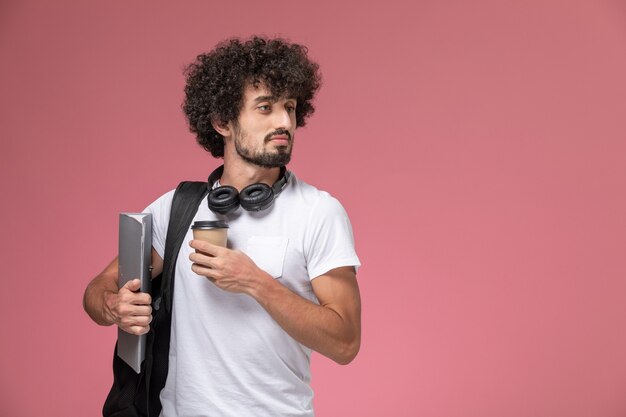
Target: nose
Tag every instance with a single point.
(284, 120)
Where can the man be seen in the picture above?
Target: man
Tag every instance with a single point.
(246, 317)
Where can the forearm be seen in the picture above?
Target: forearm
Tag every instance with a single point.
(318, 327)
(332, 327)
(94, 300)
(107, 304)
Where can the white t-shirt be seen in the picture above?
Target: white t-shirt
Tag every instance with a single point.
(227, 356)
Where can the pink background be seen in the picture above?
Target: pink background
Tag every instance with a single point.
(478, 147)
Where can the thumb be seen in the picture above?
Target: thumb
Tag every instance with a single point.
(132, 285)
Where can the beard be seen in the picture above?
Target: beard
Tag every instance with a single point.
(279, 158)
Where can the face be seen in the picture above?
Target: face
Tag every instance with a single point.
(264, 132)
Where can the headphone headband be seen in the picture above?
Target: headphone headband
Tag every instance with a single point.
(279, 185)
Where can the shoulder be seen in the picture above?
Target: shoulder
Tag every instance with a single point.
(316, 208)
(160, 210)
(163, 203)
(318, 201)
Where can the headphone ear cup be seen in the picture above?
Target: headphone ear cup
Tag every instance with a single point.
(256, 197)
(223, 199)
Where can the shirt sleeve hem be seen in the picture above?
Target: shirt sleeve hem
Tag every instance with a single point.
(322, 269)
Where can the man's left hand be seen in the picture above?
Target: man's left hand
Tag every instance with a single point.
(231, 270)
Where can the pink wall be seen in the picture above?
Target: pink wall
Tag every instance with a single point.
(478, 147)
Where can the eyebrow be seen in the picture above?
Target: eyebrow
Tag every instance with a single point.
(273, 99)
(264, 98)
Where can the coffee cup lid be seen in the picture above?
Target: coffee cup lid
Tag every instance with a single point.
(209, 224)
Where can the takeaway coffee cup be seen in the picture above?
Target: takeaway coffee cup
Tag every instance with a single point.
(214, 232)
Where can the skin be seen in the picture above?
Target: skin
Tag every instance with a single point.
(332, 328)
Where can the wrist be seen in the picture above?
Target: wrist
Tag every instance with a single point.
(262, 286)
(108, 303)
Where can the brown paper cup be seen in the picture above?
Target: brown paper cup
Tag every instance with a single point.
(215, 232)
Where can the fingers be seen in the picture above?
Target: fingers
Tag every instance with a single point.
(206, 247)
(128, 294)
(136, 330)
(204, 271)
(134, 319)
(132, 285)
(139, 324)
(204, 260)
(132, 309)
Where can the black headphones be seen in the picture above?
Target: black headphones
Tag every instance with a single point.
(254, 197)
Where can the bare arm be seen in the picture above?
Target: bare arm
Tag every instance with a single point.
(332, 328)
(129, 309)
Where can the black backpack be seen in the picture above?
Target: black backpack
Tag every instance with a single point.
(137, 395)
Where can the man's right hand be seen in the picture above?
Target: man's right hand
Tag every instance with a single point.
(129, 309)
(107, 305)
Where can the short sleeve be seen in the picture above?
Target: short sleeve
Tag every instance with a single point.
(160, 210)
(328, 240)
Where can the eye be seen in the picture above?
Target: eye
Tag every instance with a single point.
(290, 108)
(264, 108)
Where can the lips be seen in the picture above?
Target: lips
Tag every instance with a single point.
(283, 139)
(281, 136)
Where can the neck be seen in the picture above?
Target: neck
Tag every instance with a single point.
(240, 174)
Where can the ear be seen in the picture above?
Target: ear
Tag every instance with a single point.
(224, 129)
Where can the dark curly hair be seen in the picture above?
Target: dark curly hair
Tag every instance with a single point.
(217, 79)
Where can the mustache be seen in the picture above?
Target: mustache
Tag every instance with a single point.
(277, 132)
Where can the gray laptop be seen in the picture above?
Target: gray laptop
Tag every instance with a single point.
(135, 249)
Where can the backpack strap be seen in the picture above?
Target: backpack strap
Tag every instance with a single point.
(187, 198)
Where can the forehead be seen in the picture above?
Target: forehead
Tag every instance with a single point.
(250, 92)
(259, 93)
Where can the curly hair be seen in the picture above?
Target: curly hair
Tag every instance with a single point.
(217, 79)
